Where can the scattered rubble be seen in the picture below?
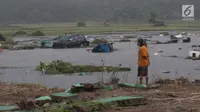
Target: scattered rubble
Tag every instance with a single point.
(180, 80)
(13, 93)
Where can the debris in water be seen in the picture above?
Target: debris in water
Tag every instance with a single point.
(59, 66)
(180, 81)
(156, 54)
(166, 72)
(83, 73)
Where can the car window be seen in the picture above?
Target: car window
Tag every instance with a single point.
(57, 38)
(81, 37)
(76, 38)
(64, 38)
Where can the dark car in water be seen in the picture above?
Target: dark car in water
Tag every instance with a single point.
(71, 41)
(2, 38)
(186, 40)
(173, 41)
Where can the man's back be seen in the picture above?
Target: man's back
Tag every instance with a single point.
(143, 52)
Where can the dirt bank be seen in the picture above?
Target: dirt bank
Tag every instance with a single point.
(166, 98)
(171, 97)
(12, 93)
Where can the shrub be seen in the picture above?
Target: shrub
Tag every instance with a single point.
(20, 33)
(81, 24)
(38, 33)
(9, 41)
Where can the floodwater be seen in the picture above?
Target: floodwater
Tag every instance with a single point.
(126, 55)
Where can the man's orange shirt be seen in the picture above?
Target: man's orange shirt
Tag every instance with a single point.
(141, 60)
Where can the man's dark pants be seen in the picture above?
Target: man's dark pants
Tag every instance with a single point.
(142, 71)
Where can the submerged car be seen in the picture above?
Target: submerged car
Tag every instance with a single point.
(71, 41)
(49, 42)
(2, 38)
(186, 40)
(173, 41)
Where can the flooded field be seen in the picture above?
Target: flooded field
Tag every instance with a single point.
(126, 55)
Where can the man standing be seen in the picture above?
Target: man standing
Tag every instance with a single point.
(143, 61)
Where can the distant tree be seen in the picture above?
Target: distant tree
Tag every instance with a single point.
(81, 24)
(153, 17)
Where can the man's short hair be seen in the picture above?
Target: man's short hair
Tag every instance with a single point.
(141, 41)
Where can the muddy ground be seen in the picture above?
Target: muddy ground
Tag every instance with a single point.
(166, 98)
(12, 93)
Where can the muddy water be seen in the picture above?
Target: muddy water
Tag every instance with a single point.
(127, 56)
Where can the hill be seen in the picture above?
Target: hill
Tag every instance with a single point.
(34, 11)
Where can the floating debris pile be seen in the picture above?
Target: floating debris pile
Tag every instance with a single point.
(59, 67)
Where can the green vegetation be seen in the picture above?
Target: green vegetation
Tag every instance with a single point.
(89, 106)
(20, 33)
(97, 28)
(37, 33)
(153, 17)
(59, 67)
(81, 24)
(7, 43)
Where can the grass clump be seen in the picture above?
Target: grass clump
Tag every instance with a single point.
(59, 67)
(83, 107)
